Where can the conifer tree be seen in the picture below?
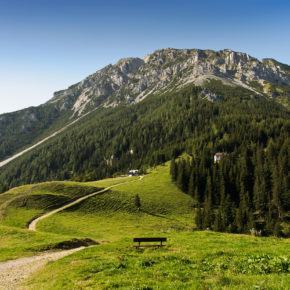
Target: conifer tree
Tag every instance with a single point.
(277, 229)
(207, 213)
(198, 219)
(137, 202)
(218, 222)
(208, 186)
(276, 192)
(239, 220)
(251, 221)
(182, 181)
(191, 188)
(173, 170)
(197, 196)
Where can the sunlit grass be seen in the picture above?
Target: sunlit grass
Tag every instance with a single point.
(15, 242)
(113, 214)
(111, 181)
(22, 204)
(190, 260)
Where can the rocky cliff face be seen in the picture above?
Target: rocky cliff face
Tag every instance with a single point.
(132, 79)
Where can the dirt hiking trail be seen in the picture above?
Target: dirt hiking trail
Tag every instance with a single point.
(32, 225)
(14, 272)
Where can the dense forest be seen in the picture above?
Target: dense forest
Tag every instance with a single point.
(250, 182)
(247, 190)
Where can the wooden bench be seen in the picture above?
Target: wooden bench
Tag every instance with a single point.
(140, 240)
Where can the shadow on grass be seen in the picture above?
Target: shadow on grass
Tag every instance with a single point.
(156, 215)
(165, 217)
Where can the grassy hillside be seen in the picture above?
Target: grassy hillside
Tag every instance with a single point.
(20, 205)
(191, 259)
(113, 214)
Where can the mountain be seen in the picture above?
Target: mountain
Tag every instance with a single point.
(178, 105)
(102, 100)
(133, 79)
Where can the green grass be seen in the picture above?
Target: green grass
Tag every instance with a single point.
(190, 260)
(112, 181)
(20, 205)
(109, 227)
(113, 214)
(19, 217)
(158, 194)
(16, 243)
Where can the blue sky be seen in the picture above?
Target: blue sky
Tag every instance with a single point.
(47, 45)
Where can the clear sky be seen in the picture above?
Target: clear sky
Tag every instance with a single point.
(47, 45)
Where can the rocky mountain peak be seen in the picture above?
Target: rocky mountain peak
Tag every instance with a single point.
(130, 80)
(129, 65)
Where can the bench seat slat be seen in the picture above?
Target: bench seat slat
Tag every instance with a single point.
(150, 239)
(137, 246)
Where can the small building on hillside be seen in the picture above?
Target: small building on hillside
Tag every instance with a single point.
(218, 156)
(133, 172)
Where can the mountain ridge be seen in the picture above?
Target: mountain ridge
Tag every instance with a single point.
(273, 71)
(131, 80)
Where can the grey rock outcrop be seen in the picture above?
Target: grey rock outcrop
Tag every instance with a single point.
(208, 95)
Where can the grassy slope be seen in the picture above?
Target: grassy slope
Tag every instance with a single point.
(16, 242)
(190, 260)
(111, 181)
(21, 204)
(113, 215)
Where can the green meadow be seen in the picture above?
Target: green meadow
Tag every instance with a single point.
(113, 214)
(191, 259)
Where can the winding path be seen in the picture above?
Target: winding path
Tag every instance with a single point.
(15, 271)
(32, 225)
